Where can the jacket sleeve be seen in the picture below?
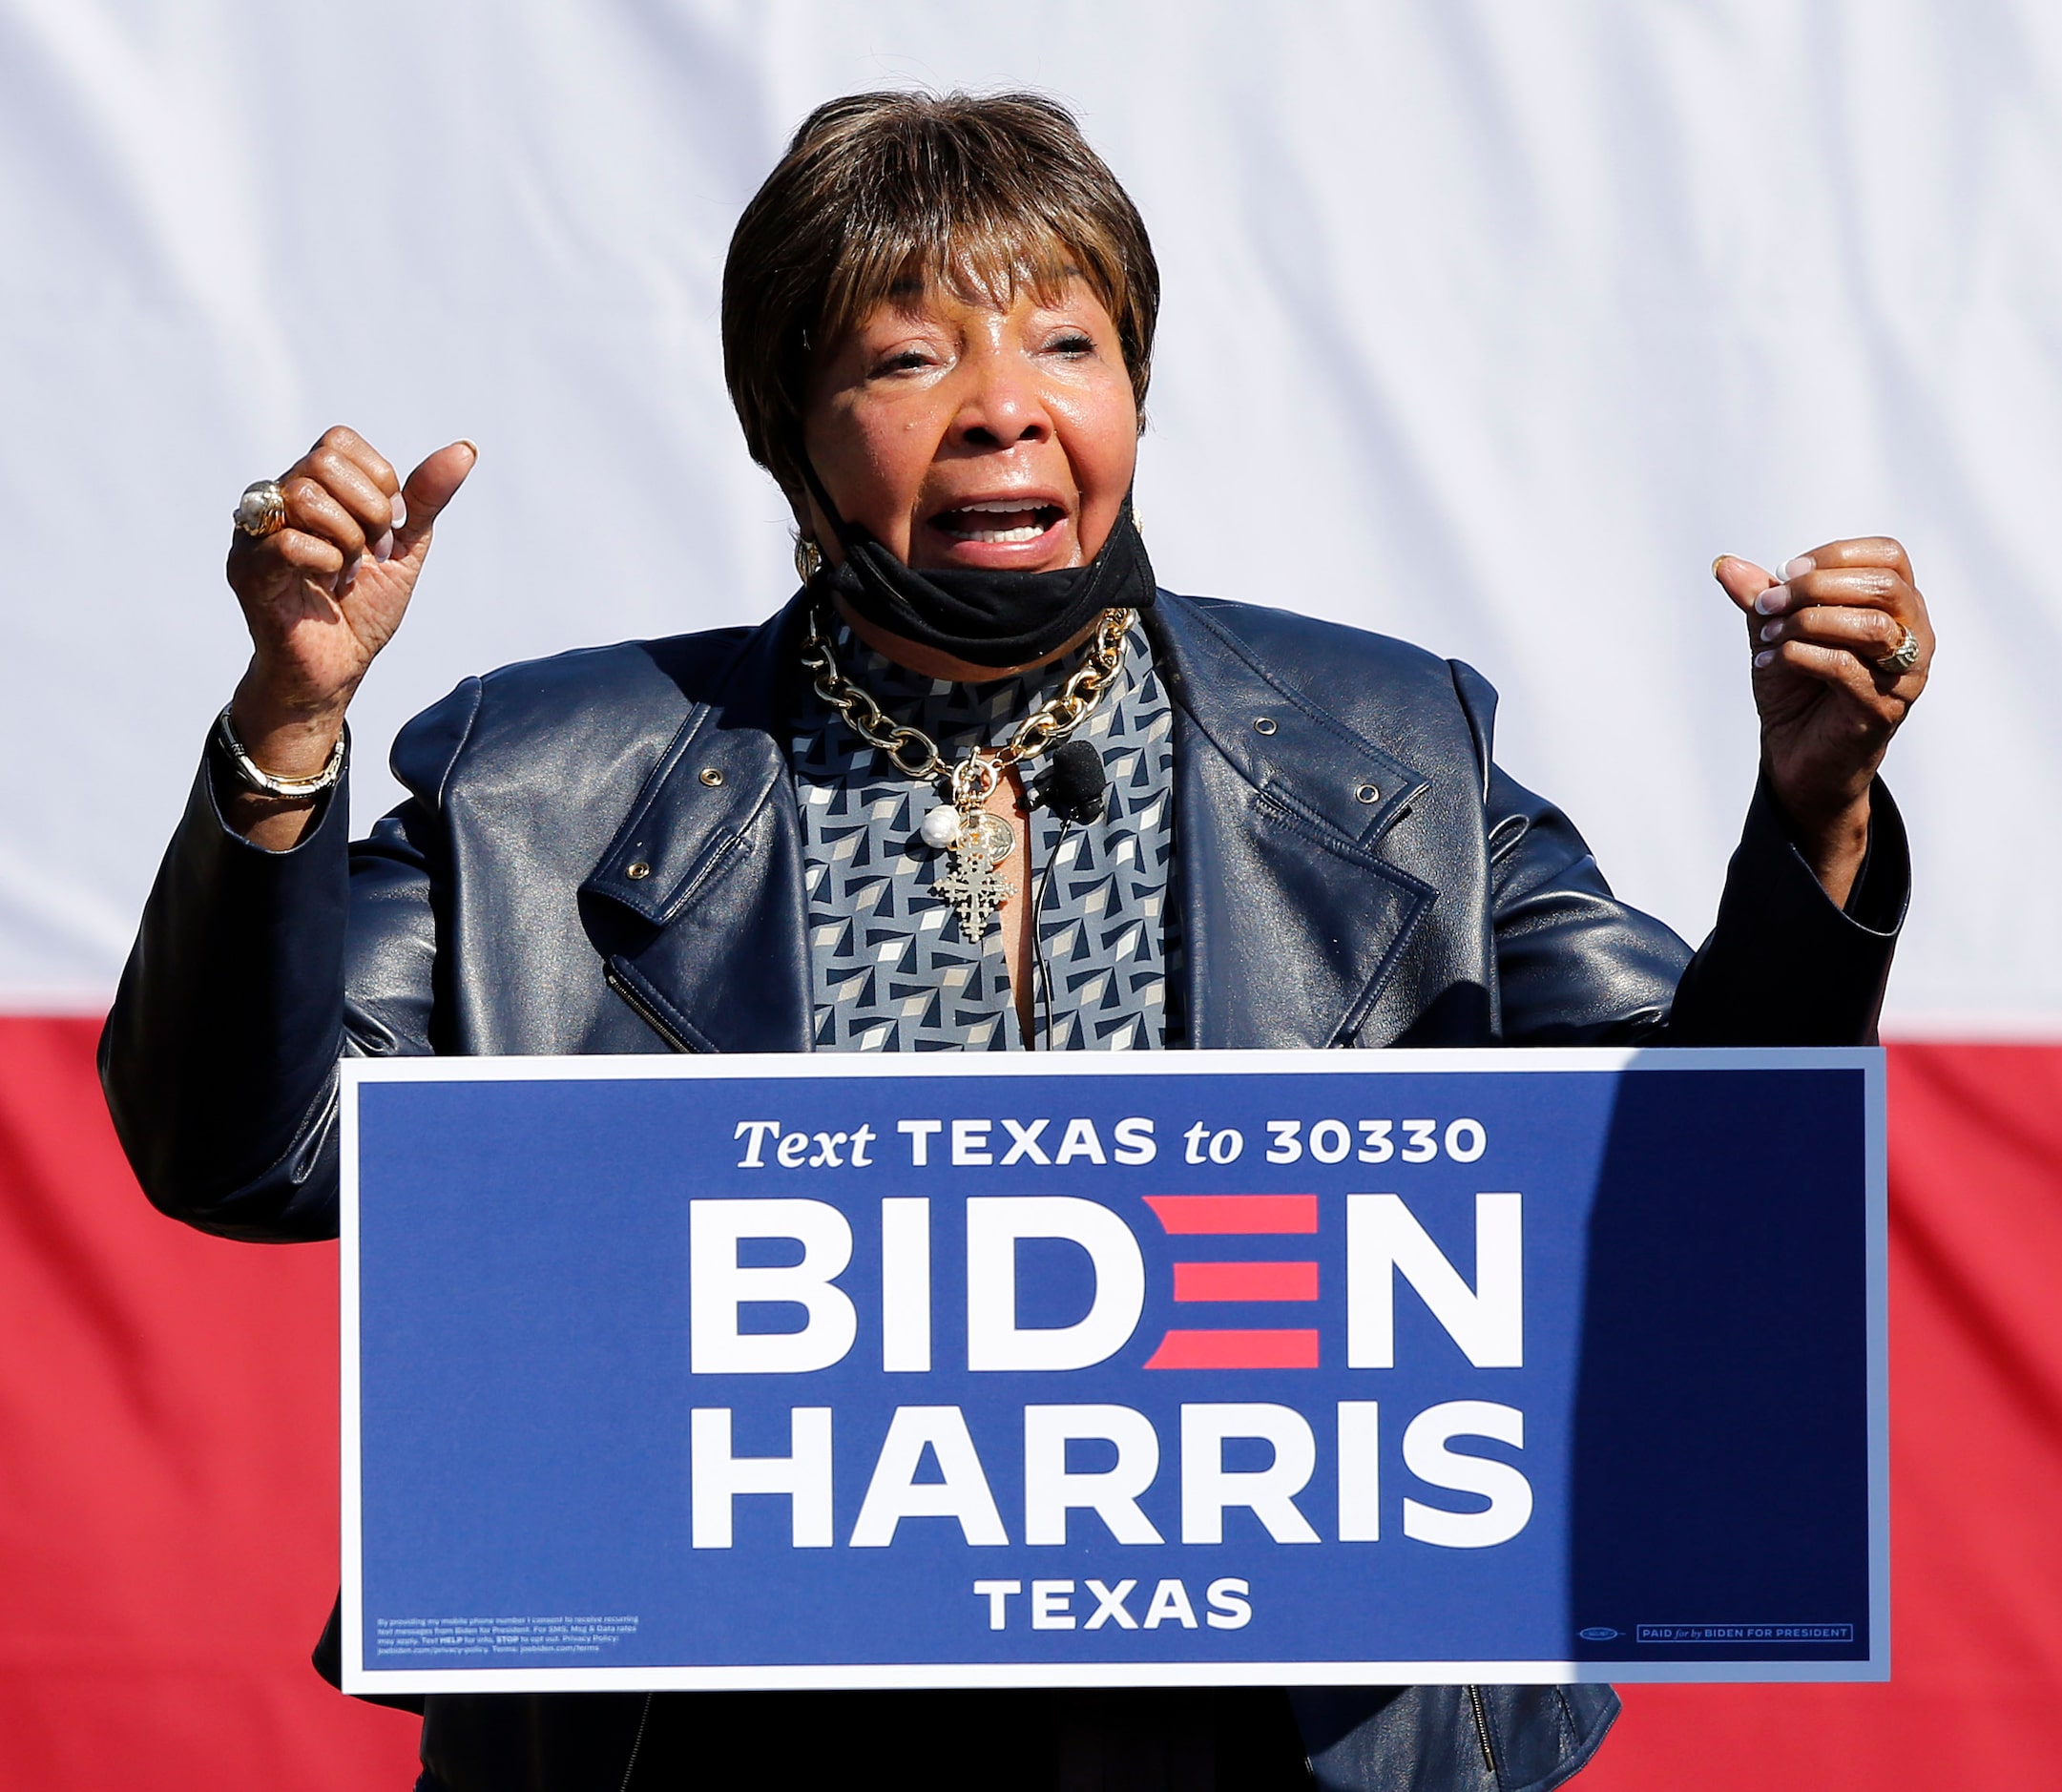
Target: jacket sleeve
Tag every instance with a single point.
(1783, 965)
(253, 974)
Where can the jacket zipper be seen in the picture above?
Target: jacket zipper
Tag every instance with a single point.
(1482, 1733)
(643, 1009)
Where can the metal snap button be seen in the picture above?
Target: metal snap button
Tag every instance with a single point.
(636, 870)
(1368, 793)
(711, 777)
(1264, 724)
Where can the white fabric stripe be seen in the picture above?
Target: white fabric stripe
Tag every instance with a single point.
(1486, 325)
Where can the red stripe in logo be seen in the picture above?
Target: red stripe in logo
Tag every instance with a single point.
(1235, 1213)
(1237, 1350)
(1245, 1282)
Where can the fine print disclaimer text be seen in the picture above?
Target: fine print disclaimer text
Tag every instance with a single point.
(485, 1638)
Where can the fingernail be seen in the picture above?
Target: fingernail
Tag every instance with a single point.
(1717, 563)
(1799, 567)
(465, 441)
(1763, 659)
(1772, 601)
(383, 547)
(401, 510)
(1771, 631)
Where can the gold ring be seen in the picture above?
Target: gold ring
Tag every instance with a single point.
(262, 510)
(1902, 657)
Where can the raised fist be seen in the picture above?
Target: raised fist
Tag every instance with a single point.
(321, 596)
(1842, 646)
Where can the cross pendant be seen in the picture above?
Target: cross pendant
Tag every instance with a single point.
(973, 889)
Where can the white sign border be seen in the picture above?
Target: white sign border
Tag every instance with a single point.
(356, 1072)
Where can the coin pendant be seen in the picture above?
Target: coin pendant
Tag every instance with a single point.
(987, 834)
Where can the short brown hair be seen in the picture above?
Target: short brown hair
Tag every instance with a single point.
(981, 191)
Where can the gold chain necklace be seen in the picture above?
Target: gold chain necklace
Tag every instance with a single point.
(979, 841)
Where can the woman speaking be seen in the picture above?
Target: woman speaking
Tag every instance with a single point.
(979, 785)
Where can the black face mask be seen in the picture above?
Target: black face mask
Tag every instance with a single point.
(986, 618)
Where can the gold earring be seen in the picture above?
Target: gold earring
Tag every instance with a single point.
(808, 558)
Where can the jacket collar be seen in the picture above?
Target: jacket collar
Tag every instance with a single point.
(1293, 922)
(709, 859)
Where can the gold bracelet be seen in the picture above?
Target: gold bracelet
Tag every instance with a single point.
(255, 778)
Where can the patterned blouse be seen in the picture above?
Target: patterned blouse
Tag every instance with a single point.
(893, 971)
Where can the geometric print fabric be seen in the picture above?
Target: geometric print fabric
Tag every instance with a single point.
(891, 969)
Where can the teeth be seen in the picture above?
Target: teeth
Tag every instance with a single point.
(951, 521)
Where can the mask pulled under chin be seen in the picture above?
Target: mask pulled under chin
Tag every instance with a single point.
(988, 619)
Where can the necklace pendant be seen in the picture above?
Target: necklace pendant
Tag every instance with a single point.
(975, 892)
(980, 843)
(986, 833)
(973, 887)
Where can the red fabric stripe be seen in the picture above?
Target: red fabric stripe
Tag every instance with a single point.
(168, 1476)
(1245, 1282)
(1237, 1350)
(1235, 1213)
(168, 1447)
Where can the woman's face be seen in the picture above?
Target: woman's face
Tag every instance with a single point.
(962, 434)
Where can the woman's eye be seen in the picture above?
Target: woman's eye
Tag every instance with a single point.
(905, 361)
(1073, 343)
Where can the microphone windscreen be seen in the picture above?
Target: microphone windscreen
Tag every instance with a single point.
(1076, 786)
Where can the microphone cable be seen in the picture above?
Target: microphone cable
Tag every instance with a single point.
(1076, 789)
(1038, 942)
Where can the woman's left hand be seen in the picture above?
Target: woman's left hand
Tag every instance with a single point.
(1820, 630)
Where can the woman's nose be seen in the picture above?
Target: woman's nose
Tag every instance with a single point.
(1002, 406)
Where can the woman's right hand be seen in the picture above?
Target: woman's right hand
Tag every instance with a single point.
(321, 596)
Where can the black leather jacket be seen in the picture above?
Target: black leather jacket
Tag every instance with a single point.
(601, 853)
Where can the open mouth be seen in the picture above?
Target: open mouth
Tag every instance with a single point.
(1003, 521)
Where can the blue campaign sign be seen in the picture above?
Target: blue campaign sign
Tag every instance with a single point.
(1279, 1368)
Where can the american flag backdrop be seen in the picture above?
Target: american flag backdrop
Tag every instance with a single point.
(1486, 323)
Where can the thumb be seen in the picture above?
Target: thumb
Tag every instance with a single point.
(429, 488)
(1742, 580)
